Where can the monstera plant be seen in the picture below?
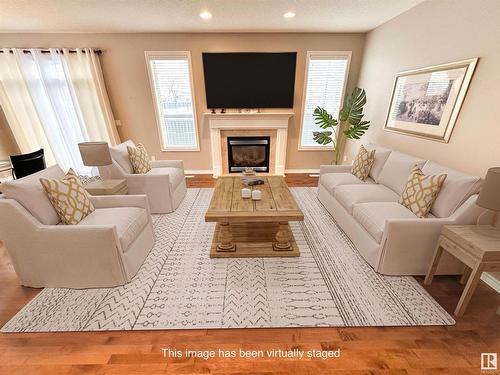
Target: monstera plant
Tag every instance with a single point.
(350, 123)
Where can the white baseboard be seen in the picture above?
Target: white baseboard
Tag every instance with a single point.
(309, 171)
(209, 171)
(491, 280)
(198, 171)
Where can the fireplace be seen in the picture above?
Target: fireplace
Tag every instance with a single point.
(244, 152)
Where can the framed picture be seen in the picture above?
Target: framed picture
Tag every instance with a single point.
(426, 102)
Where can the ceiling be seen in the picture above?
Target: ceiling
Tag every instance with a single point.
(120, 16)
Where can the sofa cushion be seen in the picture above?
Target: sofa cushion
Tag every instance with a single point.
(396, 170)
(30, 194)
(373, 216)
(421, 191)
(139, 159)
(129, 222)
(68, 197)
(119, 153)
(176, 175)
(349, 195)
(456, 189)
(332, 180)
(381, 155)
(363, 163)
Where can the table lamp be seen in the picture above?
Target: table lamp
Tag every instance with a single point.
(489, 196)
(95, 154)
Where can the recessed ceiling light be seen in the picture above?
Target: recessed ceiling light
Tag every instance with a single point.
(206, 15)
(289, 15)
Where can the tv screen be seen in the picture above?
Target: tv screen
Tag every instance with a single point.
(249, 79)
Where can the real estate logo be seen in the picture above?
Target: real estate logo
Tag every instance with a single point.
(489, 361)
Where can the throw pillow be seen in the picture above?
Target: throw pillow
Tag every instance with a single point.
(421, 191)
(139, 159)
(68, 197)
(363, 163)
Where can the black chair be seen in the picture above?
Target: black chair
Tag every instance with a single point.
(26, 164)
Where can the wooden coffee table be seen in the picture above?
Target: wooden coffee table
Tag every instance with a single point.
(247, 228)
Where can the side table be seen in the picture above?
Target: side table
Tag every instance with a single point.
(477, 246)
(107, 187)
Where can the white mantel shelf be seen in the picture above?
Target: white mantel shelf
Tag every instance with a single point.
(243, 121)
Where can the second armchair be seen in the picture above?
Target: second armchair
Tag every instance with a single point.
(164, 184)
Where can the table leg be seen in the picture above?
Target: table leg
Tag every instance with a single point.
(465, 275)
(434, 264)
(283, 238)
(225, 238)
(469, 289)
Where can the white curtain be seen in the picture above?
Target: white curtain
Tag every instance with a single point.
(55, 100)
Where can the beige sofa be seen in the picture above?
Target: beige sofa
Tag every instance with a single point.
(390, 237)
(164, 184)
(105, 249)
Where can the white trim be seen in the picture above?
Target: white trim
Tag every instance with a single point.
(309, 171)
(198, 171)
(289, 171)
(491, 280)
(315, 148)
(172, 55)
(326, 54)
(278, 121)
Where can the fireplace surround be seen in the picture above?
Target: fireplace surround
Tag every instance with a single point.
(263, 124)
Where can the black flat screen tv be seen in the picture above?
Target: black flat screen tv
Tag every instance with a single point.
(249, 79)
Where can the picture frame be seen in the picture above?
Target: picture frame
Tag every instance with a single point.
(426, 102)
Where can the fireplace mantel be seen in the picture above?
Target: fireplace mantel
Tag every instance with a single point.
(274, 121)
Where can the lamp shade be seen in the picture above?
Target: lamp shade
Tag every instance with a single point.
(489, 197)
(95, 154)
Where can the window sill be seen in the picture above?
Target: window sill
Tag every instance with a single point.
(316, 148)
(181, 149)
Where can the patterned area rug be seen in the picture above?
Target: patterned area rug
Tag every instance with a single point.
(179, 286)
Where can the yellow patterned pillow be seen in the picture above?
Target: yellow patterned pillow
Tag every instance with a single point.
(68, 197)
(363, 163)
(421, 191)
(139, 159)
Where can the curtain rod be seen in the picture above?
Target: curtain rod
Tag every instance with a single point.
(44, 50)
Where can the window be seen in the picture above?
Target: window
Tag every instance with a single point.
(326, 76)
(171, 82)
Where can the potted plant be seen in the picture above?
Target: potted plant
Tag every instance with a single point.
(350, 123)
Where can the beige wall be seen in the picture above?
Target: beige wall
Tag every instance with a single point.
(126, 77)
(8, 145)
(437, 32)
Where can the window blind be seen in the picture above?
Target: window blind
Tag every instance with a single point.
(326, 75)
(174, 101)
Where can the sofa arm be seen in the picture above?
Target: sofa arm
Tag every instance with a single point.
(341, 168)
(73, 256)
(157, 187)
(147, 183)
(167, 164)
(108, 201)
(408, 245)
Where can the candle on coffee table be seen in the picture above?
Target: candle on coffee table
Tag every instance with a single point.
(256, 195)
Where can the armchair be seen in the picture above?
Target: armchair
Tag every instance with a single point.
(164, 184)
(105, 249)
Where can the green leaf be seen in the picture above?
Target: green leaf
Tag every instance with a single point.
(323, 138)
(357, 131)
(324, 119)
(352, 110)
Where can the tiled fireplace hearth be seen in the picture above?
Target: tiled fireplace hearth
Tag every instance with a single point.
(238, 126)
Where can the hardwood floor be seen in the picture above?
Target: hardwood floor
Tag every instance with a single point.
(386, 350)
